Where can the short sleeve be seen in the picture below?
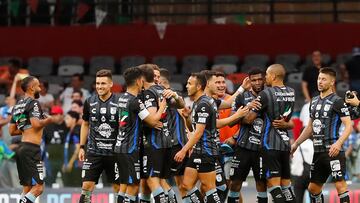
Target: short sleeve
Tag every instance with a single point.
(341, 108)
(149, 99)
(86, 111)
(239, 101)
(202, 113)
(34, 110)
(140, 109)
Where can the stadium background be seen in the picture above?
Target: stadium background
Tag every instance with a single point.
(56, 38)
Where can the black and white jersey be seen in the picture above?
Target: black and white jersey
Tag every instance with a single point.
(24, 110)
(249, 135)
(204, 112)
(276, 103)
(325, 114)
(177, 127)
(157, 138)
(103, 118)
(131, 112)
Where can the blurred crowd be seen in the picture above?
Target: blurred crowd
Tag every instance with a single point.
(61, 139)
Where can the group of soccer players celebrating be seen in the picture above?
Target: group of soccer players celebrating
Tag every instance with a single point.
(142, 138)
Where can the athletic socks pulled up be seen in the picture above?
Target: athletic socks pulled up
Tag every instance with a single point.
(289, 194)
(277, 194)
(193, 196)
(212, 196)
(159, 195)
(85, 196)
(319, 198)
(262, 197)
(28, 198)
(222, 192)
(233, 197)
(172, 196)
(120, 197)
(130, 199)
(344, 197)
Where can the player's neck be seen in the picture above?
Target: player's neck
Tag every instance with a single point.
(277, 84)
(105, 96)
(198, 95)
(326, 93)
(29, 95)
(133, 90)
(147, 85)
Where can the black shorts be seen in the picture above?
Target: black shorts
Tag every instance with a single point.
(244, 160)
(29, 164)
(129, 168)
(153, 161)
(201, 162)
(177, 168)
(94, 165)
(219, 169)
(276, 163)
(324, 166)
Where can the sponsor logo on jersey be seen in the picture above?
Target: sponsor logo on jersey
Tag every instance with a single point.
(317, 125)
(104, 130)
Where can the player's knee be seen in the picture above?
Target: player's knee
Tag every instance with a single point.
(88, 186)
(341, 187)
(261, 186)
(235, 185)
(314, 189)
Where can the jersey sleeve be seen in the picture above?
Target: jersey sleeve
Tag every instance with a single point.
(341, 108)
(149, 99)
(202, 113)
(239, 101)
(218, 102)
(86, 111)
(140, 109)
(34, 110)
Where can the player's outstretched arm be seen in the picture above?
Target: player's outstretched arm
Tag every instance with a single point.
(241, 112)
(305, 134)
(83, 138)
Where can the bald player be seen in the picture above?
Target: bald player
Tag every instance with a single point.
(277, 104)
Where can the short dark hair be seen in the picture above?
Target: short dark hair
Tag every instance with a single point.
(208, 74)
(74, 114)
(156, 67)
(131, 75)
(255, 71)
(328, 71)
(78, 102)
(148, 72)
(78, 91)
(165, 73)
(200, 78)
(78, 75)
(14, 62)
(220, 74)
(104, 73)
(46, 84)
(26, 82)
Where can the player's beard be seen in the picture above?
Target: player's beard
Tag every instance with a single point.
(37, 95)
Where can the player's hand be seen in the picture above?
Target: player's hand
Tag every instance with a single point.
(354, 101)
(246, 84)
(158, 125)
(168, 93)
(334, 149)
(242, 111)
(293, 148)
(254, 104)
(81, 155)
(230, 141)
(162, 104)
(280, 123)
(179, 157)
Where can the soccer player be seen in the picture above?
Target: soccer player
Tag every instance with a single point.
(28, 120)
(327, 112)
(156, 142)
(100, 125)
(201, 164)
(248, 144)
(132, 111)
(277, 104)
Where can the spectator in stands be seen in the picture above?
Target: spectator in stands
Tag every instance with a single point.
(349, 146)
(77, 106)
(46, 99)
(76, 84)
(351, 70)
(8, 73)
(309, 80)
(77, 95)
(54, 136)
(72, 167)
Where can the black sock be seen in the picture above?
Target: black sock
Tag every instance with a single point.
(120, 198)
(289, 194)
(262, 197)
(144, 201)
(194, 195)
(319, 198)
(172, 196)
(25, 200)
(277, 195)
(85, 197)
(222, 194)
(160, 198)
(166, 197)
(212, 196)
(233, 197)
(344, 197)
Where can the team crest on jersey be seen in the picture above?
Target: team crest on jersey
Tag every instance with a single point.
(318, 107)
(258, 125)
(317, 125)
(103, 110)
(327, 107)
(113, 110)
(104, 130)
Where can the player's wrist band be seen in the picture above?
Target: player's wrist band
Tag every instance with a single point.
(82, 146)
(241, 90)
(234, 137)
